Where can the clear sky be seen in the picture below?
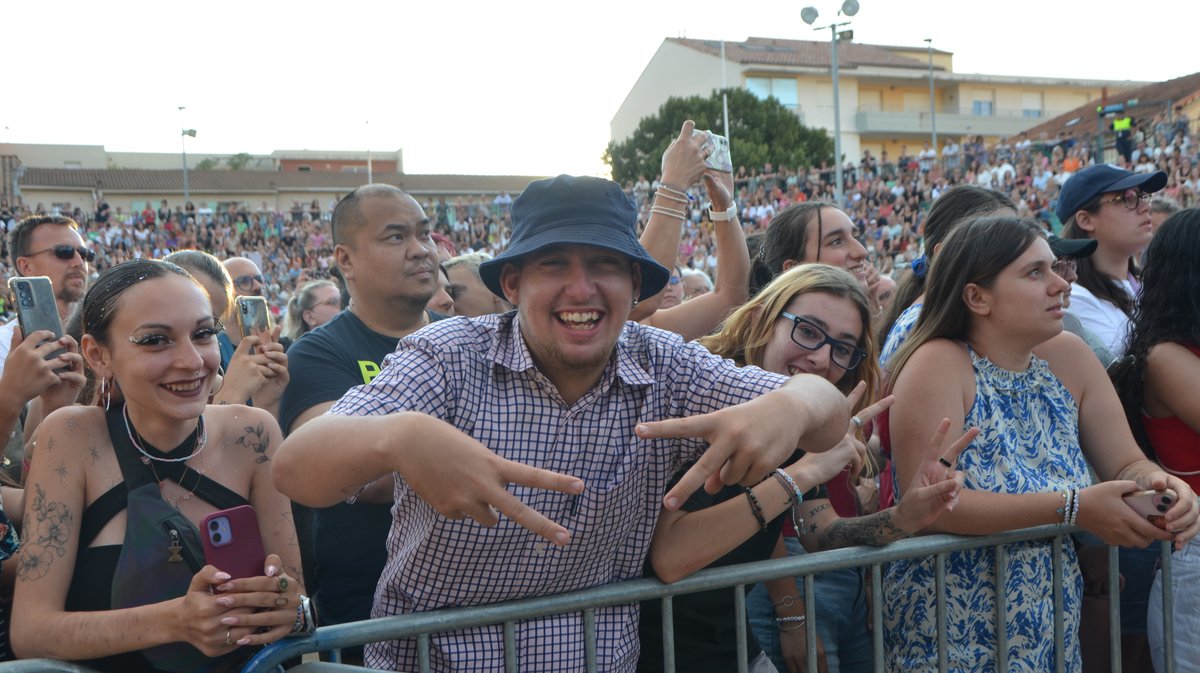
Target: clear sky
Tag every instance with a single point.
(524, 87)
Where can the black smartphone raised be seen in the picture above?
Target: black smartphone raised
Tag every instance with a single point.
(36, 307)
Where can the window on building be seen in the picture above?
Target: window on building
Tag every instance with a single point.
(73, 165)
(304, 168)
(1031, 104)
(782, 88)
(981, 108)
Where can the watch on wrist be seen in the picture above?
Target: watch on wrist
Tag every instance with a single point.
(310, 620)
(722, 215)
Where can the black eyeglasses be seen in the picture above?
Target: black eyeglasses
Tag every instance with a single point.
(246, 283)
(810, 337)
(1131, 199)
(65, 252)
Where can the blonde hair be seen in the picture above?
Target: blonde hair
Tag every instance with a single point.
(303, 300)
(744, 335)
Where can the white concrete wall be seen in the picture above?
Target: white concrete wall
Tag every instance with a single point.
(674, 70)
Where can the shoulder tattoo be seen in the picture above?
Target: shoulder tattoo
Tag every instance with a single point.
(258, 439)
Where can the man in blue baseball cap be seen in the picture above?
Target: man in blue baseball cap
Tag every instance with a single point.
(531, 449)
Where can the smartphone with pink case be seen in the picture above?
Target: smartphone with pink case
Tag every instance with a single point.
(232, 542)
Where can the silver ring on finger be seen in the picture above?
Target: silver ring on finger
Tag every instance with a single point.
(228, 636)
(858, 423)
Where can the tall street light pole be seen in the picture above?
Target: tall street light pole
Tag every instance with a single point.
(932, 100)
(809, 16)
(183, 136)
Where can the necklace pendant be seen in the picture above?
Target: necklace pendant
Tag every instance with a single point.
(145, 460)
(174, 548)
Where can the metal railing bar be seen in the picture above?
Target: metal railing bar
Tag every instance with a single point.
(1168, 606)
(629, 592)
(939, 566)
(668, 631)
(1001, 607)
(739, 614)
(810, 620)
(1056, 572)
(877, 615)
(589, 639)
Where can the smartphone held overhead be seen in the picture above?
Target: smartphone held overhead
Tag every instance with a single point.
(717, 151)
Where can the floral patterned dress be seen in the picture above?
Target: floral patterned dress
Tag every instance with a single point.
(1029, 443)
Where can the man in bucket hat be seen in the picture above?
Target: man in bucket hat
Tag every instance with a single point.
(543, 439)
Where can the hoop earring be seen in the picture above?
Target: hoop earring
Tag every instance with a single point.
(105, 393)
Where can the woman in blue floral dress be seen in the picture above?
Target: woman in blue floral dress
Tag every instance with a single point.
(988, 351)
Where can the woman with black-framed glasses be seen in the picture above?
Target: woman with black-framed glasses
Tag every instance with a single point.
(813, 319)
(1110, 205)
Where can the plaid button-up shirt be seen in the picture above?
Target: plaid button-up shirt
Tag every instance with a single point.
(477, 374)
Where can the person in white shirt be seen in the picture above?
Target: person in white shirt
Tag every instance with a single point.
(1110, 205)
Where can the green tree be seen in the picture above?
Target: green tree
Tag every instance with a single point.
(762, 131)
(238, 161)
(208, 164)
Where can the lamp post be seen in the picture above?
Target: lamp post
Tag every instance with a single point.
(809, 16)
(932, 100)
(183, 136)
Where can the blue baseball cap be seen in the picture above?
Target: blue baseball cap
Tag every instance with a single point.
(1093, 181)
(575, 210)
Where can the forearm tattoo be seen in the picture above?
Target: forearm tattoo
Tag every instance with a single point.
(876, 529)
(258, 439)
(47, 529)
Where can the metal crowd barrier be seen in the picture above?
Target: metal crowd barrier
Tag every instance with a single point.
(420, 625)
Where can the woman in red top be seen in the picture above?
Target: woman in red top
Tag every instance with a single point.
(1157, 382)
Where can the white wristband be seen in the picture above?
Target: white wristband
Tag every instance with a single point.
(722, 215)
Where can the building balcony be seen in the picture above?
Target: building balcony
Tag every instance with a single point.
(872, 120)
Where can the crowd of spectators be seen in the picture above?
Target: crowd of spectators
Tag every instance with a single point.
(291, 247)
(886, 196)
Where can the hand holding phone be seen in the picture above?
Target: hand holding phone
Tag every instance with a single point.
(253, 315)
(1152, 505)
(232, 542)
(36, 307)
(717, 148)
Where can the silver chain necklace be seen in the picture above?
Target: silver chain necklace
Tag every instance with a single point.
(201, 441)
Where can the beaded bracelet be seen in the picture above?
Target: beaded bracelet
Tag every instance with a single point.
(798, 621)
(794, 494)
(756, 508)
(1074, 507)
(1065, 510)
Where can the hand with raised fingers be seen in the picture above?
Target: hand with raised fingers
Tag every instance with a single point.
(683, 161)
(465, 479)
(268, 605)
(936, 486)
(745, 443)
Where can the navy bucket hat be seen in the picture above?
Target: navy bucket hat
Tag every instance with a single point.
(575, 210)
(1093, 181)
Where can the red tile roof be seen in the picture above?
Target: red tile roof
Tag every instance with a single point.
(805, 53)
(132, 180)
(1152, 99)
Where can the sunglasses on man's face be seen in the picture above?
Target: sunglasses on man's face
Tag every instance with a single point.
(246, 283)
(66, 252)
